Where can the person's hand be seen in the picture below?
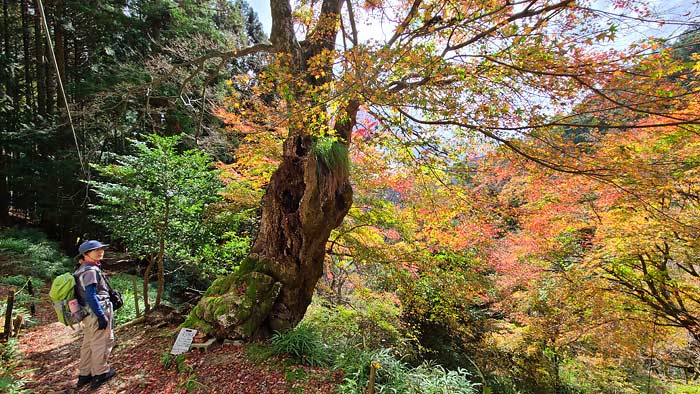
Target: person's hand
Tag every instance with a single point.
(102, 322)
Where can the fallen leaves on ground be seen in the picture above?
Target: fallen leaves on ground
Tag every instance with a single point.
(51, 352)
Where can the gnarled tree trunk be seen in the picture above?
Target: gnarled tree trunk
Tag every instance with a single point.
(307, 197)
(303, 203)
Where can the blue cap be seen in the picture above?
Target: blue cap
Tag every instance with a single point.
(90, 245)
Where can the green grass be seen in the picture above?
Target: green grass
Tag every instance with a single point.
(259, 352)
(303, 343)
(394, 376)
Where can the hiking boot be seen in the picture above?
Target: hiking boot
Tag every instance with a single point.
(83, 380)
(102, 378)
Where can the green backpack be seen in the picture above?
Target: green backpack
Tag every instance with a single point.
(65, 301)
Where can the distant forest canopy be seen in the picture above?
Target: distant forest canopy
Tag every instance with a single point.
(124, 66)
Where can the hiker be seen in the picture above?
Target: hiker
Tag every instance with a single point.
(98, 332)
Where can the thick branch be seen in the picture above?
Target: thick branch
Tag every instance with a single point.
(224, 56)
(282, 33)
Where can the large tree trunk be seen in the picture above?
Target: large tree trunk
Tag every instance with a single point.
(4, 186)
(6, 28)
(304, 201)
(60, 52)
(306, 198)
(50, 82)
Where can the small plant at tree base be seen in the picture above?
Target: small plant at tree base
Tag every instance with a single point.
(168, 361)
(302, 343)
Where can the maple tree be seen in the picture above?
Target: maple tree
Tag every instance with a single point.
(450, 71)
(648, 231)
(611, 253)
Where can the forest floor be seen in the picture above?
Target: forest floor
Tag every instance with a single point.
(51, 352)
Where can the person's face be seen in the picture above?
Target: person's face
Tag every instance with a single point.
(94, 255)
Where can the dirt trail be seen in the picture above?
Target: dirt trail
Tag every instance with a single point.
(51, 353)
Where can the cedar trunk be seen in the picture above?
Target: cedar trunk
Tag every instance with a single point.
(39, 65)
(28, 88)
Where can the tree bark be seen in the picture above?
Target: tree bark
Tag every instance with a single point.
(4, 154)
(12, 86)
(60, 51)
(273, 287)
(28, 86)
(136, 296)
(146, 279)
(50, 82)
(296, 221)
(8, 314)
(305, 199)
(5, 28)
(4, 186)
(161, 252)
(39, 66)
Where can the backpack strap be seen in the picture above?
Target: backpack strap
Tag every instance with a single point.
(78, 275)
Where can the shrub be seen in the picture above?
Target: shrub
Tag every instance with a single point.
(434, 379)
(20, 280)
(12, 245)
(371, 322)
(168, 361)
(356, 366)
(394, 376)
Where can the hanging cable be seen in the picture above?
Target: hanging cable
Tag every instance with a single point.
(60, 83)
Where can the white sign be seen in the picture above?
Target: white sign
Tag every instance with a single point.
(183, 341)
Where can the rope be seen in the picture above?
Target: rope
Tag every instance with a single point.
(25, 285)
(60, 83)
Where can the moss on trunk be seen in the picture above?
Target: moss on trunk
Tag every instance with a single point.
(235, 306)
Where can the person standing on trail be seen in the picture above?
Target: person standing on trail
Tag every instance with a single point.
(98, 332)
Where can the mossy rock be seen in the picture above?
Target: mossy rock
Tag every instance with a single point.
(239, 311)
(220, 285)
(196, 322)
